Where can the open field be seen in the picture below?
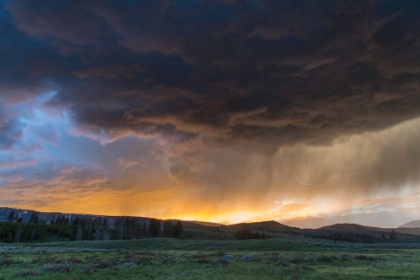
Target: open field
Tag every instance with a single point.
(204, 259)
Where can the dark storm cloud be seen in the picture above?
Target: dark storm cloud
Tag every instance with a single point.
(282, 70)
(257, 73)
(30, 65)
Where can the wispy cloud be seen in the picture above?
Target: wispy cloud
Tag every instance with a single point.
(126, 164)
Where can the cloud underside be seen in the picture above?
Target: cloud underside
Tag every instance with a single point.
(242, 99)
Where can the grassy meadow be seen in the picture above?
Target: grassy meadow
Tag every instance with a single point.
(206, 259)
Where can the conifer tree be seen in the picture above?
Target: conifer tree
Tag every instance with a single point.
(11, 216)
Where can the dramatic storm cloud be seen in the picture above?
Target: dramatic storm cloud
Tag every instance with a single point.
(218, 110)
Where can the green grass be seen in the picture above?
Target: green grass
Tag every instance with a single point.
(176, 244)
(195, 259)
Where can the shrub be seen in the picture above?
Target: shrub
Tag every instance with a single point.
(363, 258)
(73, 260)
(282, 262)
(326, 258)
(224, 262)
(104, 263)
(298, 258)
(28, 273)
(130, 265)
(89, 269)
(5, 260)
(56, 267)
(345, 257)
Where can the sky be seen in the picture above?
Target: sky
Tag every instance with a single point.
(224, 111)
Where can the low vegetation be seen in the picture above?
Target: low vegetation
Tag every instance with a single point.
(164, 258)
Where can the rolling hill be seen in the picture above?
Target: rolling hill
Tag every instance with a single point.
(268, 226)
(308, 222)
(205, 230)
(412, 224)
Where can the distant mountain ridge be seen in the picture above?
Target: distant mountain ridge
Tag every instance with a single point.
(412, 224)
(345, 231)
(351, 227)
(370, 234)
(265, 225)
(308, 222)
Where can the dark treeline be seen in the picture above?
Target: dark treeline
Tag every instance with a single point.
(349, 237)
(354, 237)
(246, 233)
(172, 229)
(64, 227)
(19, 232)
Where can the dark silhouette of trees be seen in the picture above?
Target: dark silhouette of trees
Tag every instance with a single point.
(246, 233)
(177, 232)
(11, 216)
(392, 235)
(78, 227)
(34, 219)
(144, 230)
(352, 237)
(76, 221)
(172, 229)
(102, 229)
(154, 227)
(167, 228)
(19, 232)
(126, 228)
